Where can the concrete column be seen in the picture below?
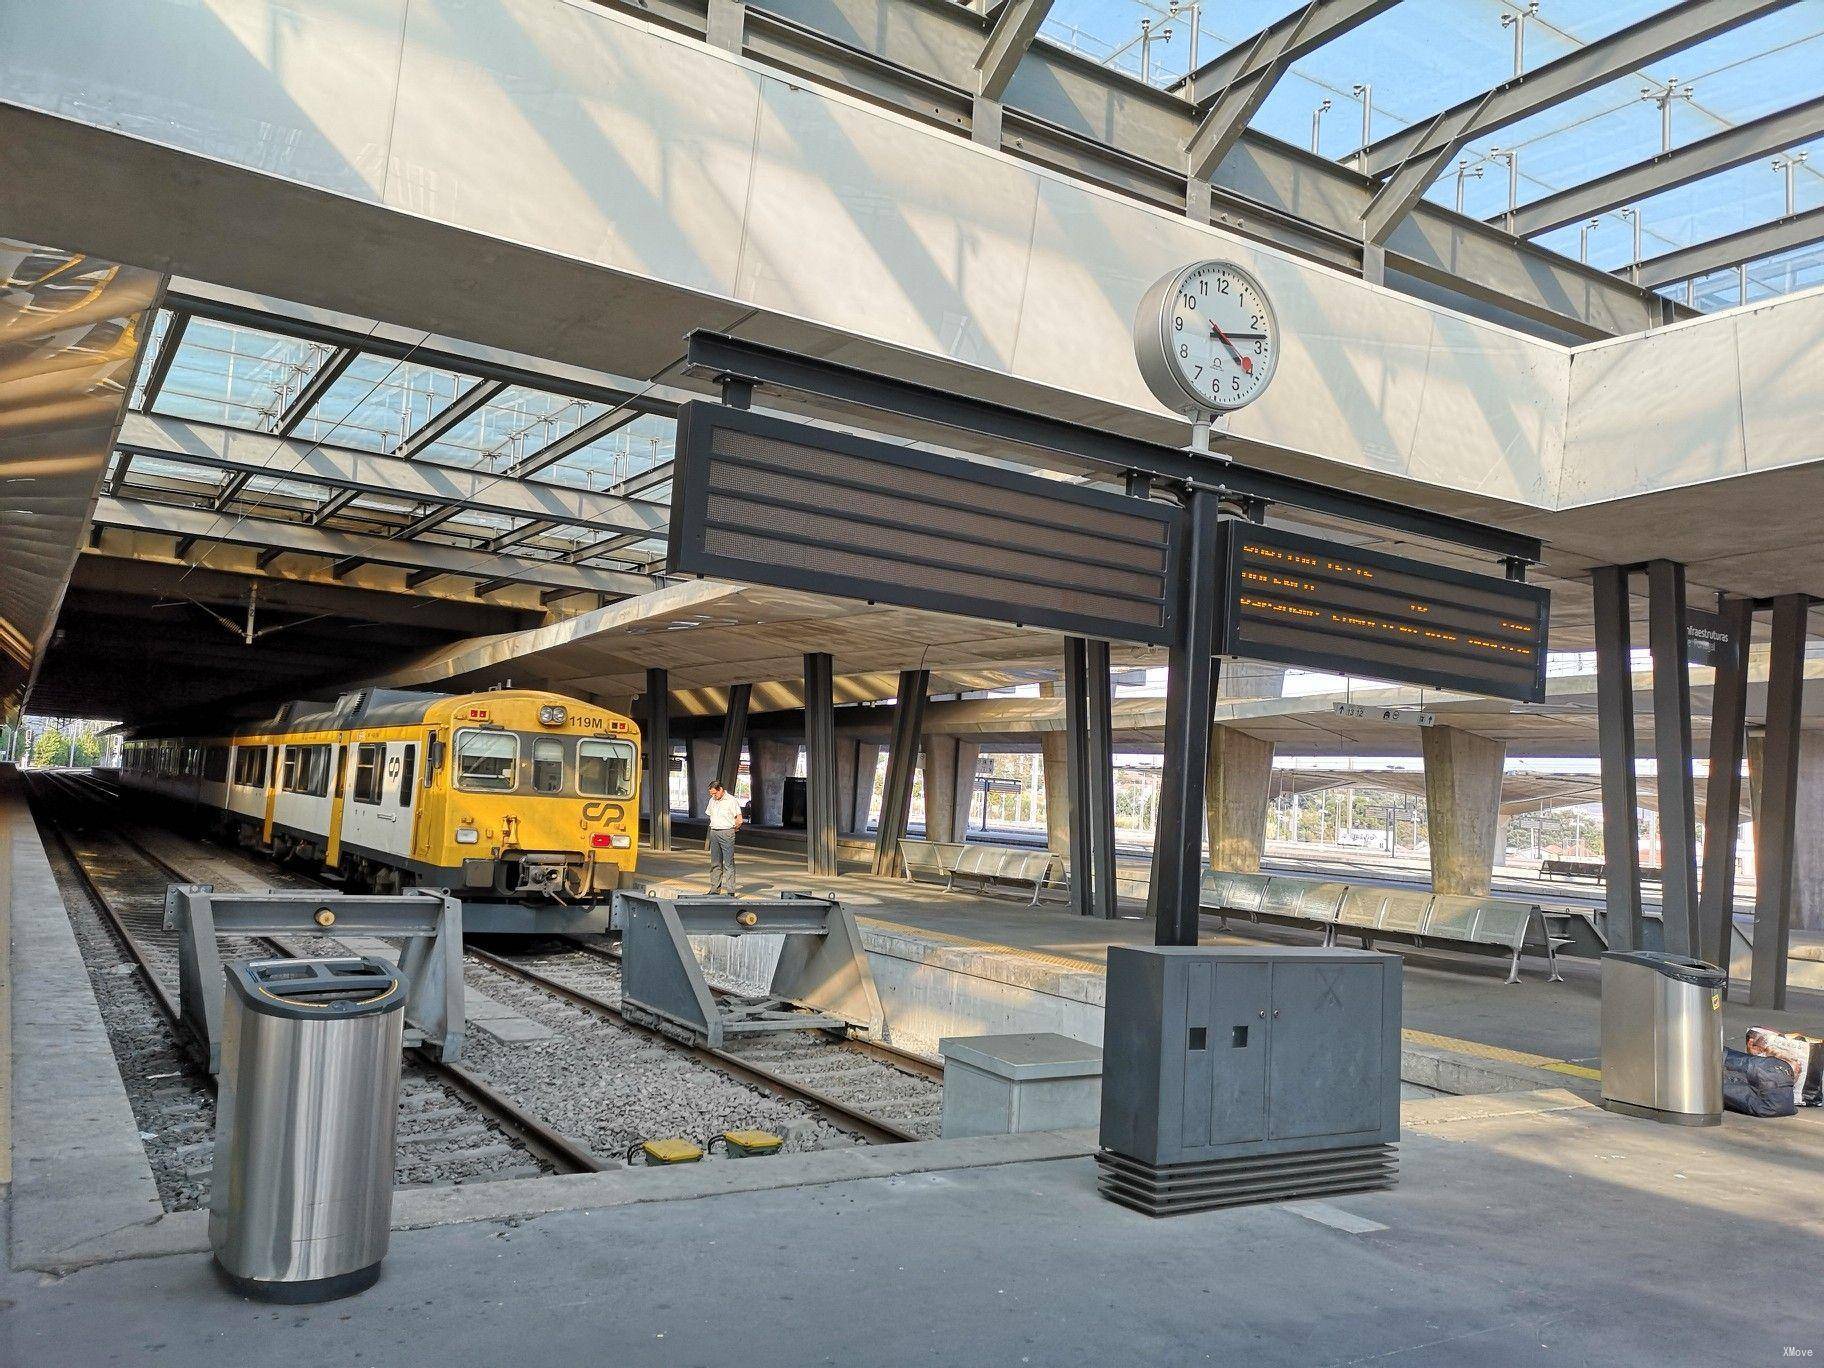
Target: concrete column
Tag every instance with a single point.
(1462, 804)
(1501, 821)
(1808, 837)
(771, 762)
(702, 754)
(1238, 780)
(1249, 679)
(1055, 747)
(856, 765)
(949, 770)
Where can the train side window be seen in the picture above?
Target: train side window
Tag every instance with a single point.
(547, 765)
(486, 761)
(368, 773)
(215, 764)
(288, 779)
(604, 769)
(408, 762)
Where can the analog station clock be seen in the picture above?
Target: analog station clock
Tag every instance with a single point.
(1206, 338)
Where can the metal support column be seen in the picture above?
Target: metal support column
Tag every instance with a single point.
(1615, 744)
(1189, 690)
(1077, 767)
(819, 764)
(1101, 747)
(902, 765)
(1778, 811)
(1723, 790)
(1672, 755)
(734, 736)
(658, 759)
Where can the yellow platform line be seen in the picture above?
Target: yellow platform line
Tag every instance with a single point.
(1497, 1052)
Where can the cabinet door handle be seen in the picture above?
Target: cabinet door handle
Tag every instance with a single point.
(1276, 1012)
(1263, 1013)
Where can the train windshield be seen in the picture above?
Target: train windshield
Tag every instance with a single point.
(604, 769)
(486, 761)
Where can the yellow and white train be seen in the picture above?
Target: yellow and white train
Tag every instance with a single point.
(513, 796)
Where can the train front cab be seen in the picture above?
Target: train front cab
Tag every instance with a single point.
(533, 797)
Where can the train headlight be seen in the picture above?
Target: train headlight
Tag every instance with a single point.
(467, 836)
(553, 715)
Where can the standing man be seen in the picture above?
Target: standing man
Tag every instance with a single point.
(724, 813)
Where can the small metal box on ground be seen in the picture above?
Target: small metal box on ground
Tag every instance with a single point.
(301, 1203)
(1007, 1084)
(1235, 1075)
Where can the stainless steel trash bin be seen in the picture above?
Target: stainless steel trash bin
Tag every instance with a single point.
(1662, 1037)
(302, 1198)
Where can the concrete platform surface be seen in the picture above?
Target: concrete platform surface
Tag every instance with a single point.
(1458, 1002)
(1521, 1231)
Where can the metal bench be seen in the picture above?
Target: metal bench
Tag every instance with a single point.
(991, 867)
(1477, 925)
(929, 861)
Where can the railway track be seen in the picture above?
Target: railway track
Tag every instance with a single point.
(453, 1127)
(851, 1090)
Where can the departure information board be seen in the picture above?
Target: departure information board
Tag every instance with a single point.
(1323, 605)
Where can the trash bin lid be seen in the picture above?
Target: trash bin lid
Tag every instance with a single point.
(312, 989)
(1681, 967)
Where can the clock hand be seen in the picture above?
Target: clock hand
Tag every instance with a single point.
(1221, 336)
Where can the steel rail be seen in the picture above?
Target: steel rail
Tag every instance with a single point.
(543, 1141)
(837, 1112)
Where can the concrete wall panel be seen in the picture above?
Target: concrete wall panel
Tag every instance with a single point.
(543, 124)
(301, 89)
(873, 224)
(1493, 416)
(1653, 412)
(1780, 348)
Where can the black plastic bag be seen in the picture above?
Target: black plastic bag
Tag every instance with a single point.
(1757, 1085)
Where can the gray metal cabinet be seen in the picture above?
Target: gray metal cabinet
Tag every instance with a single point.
(1216, 1053)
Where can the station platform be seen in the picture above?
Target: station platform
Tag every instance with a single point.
(959, 964)
(990, 1250)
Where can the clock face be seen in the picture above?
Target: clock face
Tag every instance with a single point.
(1217, 343)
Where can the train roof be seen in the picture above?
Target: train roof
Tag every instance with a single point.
(358, 708)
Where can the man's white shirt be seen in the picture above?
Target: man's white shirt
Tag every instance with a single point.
(723, 812)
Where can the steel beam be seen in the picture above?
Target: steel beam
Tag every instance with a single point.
(1672, 756)
(574, 441)
(1583, 69)
(162, 359)
(1229, 90)
(424, 558)
(1751, 244)
(1706, 157)
(1723, 788)
(1615, 747)
(820, 764)
(1190, 688)
(734, 737)
(294, 413)
(1016, 24)
(1297, 35)
(478, 396)
(1777, 813)
(658, 759)
(902, 765)
(215, 447)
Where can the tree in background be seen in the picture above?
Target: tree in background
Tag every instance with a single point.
(68, 743)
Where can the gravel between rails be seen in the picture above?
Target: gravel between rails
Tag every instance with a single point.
(442, 1138)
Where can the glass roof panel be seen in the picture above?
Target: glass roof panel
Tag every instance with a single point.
(238, 376)
(516, 423)
(647, 441)
(377, 401)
